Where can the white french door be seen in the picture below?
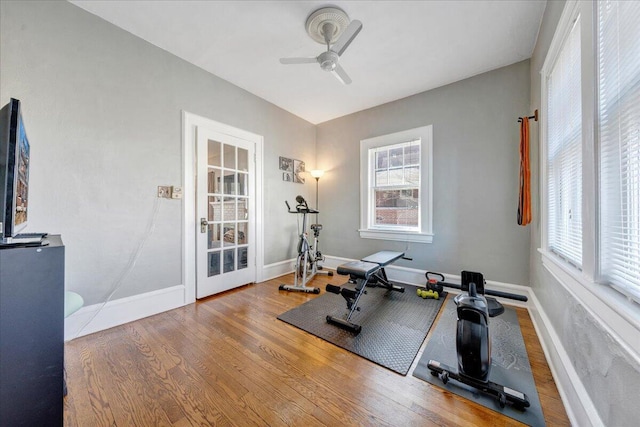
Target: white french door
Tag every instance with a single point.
(226, 212)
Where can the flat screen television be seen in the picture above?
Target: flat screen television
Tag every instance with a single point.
(14, 172)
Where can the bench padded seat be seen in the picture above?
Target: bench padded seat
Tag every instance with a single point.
(358, 269)
(383, 258)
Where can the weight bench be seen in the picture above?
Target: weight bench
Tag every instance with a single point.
(368, 271)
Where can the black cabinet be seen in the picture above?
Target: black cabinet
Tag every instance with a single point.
(32, 334)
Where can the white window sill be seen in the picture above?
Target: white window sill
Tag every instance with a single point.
(619, 315)
(402, 236)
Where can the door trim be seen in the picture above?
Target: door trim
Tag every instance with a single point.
(190, 225)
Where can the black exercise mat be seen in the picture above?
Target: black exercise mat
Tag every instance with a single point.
(394, 324)
(509, 365)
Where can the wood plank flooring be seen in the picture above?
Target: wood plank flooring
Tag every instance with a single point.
(226, 360)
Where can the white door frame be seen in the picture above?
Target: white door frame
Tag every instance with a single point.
(190, 224)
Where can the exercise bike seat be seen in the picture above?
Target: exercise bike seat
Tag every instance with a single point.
(358, 269)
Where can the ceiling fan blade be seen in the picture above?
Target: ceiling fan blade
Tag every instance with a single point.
(298, 60)
(341, 75)
(347, 37)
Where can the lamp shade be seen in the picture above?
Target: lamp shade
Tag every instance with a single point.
(316, 173)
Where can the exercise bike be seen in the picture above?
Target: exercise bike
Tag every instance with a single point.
(309, 256)
(473, 343)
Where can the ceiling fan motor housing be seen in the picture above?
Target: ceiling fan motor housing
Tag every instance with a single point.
(328, 60)
(325, 25)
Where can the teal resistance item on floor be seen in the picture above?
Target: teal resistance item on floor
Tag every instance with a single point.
(367, 272)
(72, 303)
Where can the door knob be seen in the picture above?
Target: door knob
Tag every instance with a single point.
(203, 225)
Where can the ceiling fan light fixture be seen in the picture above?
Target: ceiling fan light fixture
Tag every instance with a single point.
(328, 60)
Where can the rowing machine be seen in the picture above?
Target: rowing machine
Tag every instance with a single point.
(473, 343)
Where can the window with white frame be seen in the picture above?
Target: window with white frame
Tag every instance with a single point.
(618, 41)
(564, 151)
(591, 150)
(395, 177)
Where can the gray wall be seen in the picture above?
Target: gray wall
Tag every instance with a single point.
(608, 372)
(103, 114)
(475, 180)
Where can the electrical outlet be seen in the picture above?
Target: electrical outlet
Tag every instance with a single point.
(164, 192)
(176, 192)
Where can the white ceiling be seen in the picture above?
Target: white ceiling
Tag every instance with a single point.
(404, 48)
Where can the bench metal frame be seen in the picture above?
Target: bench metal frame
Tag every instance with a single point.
(367, 272)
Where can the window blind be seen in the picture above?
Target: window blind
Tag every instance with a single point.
(564, 153)
(619, 148)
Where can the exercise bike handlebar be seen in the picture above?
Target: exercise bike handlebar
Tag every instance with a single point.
(302, 207)
(489, 292)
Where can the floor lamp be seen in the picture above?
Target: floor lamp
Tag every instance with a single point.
(317, 173)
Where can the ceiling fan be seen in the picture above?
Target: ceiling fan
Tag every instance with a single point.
(331, 27)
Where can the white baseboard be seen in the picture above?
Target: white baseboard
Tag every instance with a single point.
(278, 269)
(578, 404)
(99, 317)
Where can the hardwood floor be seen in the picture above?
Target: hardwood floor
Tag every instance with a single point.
(227, 360)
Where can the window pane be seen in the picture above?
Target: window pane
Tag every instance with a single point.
(395, 157)
(382, 159)
(382, 178)
(214, 153)
(229, 156)
(243, 229)
(213, 180)
(243, 209)
(229, 182)
(243, 257)
(213, 236)
(412, 175)
(229, 209)
(215, 208)
(397, 207)
(229, 234)
(229, 260)
(214, 263)
(243, 159)
(243, 184)
(396, 176)
(412, 154)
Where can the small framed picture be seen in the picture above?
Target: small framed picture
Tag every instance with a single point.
(298, 171)
(287, 176)
(286, 164)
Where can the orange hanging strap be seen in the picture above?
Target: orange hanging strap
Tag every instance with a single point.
(524, 197)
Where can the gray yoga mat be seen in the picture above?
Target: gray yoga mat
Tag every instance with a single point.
(509, 365)
(394, 324)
